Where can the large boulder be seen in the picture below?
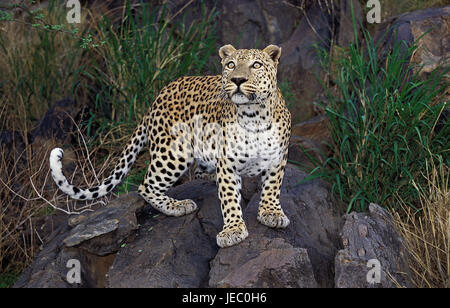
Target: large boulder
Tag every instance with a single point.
(371, 243)
(315, 225)
(126, 244)
(262, 263)
(176, 251)
(300, 61)
(172, 251)
(91, 238)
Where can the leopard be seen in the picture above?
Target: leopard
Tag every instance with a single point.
(226, 126)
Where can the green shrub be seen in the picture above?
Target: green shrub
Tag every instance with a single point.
(139, 57)
(383, 120)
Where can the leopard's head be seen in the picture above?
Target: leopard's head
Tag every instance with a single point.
(249, 76)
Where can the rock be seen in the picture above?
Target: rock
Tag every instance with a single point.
(260, 22)
(46, 269)
(117, 249)
(371, 236)
(103, 231)
(92, 238)
(315, 129)
(346, 34)
(315, 225)
(300, 63)
(311, 136)
(434, 46)
(245, 23)
(172, 251)
(266, 263)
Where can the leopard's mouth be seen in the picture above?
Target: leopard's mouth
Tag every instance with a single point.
(240, 98)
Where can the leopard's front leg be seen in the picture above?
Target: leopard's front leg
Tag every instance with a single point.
(229, 186)
(270, 212)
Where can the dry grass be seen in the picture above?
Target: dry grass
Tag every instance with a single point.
(427, 234)
(30, 201)
(39, 66)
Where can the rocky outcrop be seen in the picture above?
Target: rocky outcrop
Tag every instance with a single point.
(262, 263)
(172, 251)
(92, 239)
(428, 28)
(374, 254)
(126, 244)
(315, 224)
(313, 137)
(300, 63)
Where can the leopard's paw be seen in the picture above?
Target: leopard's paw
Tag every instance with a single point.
(180, 208)
(232, 235)
(273, 219)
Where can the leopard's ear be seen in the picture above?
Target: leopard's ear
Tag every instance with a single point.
(274, 52)
(226, 51)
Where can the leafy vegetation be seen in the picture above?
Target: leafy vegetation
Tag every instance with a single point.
(384, 121)
(140, 56)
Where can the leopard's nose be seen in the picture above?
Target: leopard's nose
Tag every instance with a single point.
(239, 80)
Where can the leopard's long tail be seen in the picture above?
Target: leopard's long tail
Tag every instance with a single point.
(127, 158)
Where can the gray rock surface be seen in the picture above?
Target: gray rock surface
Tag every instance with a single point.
(172, 251)
(315, 225)
(92, 238)
(262, 263)
(103, 231)
(128, 244)
(430, 25)
(371, 236)
(169, 250)
(116, 248)
(311, 136)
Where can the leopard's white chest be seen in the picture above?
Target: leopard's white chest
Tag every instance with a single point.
(262, 151)
(249, 152)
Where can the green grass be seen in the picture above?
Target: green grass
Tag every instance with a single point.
(134, 178)
(40, 63)
(288, 95)
(140, 56)
(383, 118)
(8, 278)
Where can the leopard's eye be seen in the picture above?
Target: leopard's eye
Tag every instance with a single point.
(230, 65)
(257, 65)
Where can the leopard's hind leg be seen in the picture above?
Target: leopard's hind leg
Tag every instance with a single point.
(168, 164)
